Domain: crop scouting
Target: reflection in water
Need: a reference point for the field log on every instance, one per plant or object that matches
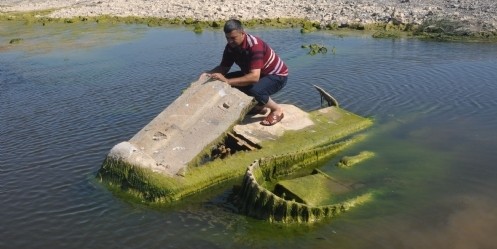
(69, 92)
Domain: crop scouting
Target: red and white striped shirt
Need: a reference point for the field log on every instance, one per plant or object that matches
(254, 53)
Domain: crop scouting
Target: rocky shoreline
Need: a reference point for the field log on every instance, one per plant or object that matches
(478, 16)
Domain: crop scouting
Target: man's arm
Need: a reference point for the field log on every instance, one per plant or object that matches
(217, 70)
(248, 79)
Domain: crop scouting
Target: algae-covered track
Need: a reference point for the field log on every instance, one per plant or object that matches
(257, 201)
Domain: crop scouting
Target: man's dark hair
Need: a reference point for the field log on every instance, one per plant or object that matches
(231, 25)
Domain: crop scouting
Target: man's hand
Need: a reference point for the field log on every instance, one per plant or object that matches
(204, 77)
(218, 76)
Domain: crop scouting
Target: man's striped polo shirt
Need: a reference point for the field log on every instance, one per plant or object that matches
(254, 53)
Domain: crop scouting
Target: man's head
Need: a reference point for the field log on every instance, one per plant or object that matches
(233, 30)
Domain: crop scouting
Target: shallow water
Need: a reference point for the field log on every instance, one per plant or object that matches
(68, 93)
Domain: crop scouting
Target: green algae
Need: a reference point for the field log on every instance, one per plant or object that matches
(349, 161)
(401, 171)
(16, 41)
(42, 17)
(198, 29)
(387, 34)
(313, 197)
(451, 30)
(316, 48)
(310, 190)
(308, 26)
(433, 29)
(257, 201)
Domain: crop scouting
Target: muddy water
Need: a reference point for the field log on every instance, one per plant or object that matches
(69, 92)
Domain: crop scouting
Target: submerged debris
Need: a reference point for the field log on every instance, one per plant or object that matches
(349, 161)
(16, 41)
(316, 48)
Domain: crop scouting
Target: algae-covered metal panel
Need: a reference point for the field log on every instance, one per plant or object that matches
(315, 189)
(202, 114)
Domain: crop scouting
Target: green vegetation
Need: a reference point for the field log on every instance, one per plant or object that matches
(15, 41)
(259, 202)
(41, 17)
(435, 29)
(308, 27)
(349, 161)
(451, 30)
(198, 29)
(317, 48)
(387, 34)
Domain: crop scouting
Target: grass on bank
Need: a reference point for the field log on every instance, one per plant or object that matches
(433, 29)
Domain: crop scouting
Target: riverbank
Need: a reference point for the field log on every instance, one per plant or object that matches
(464, 17)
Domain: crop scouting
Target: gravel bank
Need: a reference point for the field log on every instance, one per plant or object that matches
(477, 15)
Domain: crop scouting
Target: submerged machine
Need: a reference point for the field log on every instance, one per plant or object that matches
(206, 138)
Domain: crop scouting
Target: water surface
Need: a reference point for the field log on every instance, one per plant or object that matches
(69, 93)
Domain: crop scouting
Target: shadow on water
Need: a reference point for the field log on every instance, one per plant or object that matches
(69, 93)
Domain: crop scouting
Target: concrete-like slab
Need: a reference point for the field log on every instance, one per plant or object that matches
(253, 131)
(202, 114)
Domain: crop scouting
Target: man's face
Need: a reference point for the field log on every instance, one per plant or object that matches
(235, 38)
